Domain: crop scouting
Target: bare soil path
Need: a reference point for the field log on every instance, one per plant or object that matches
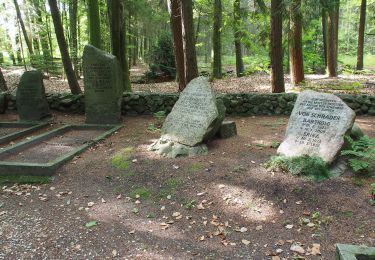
(221, 206)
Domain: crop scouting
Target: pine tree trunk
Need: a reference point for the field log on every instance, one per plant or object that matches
(3, 84)
(324, 32)
(59, 30)
(332, 41)
(237, 38)
(176, 27)
(26, 37)
(94, 23)
(216, 39)
(277, 74)
(118, 36)
(73, 8)
(191, 66)
(361, 35)
(295, 43)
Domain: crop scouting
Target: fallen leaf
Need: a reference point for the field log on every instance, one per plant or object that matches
(200, 207)
(90, 204)
(289, 226)
(245, 242)
(297, 248)
(315, 250)
(259, 228)
(91, 224)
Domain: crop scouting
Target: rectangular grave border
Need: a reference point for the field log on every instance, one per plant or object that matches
(29, 128)
(351, 252)
(48, 169)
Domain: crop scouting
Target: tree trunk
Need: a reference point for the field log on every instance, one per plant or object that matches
(191, 66)
(277, 75)
(26, 37)
(295, 43)
(361, 35)
(3, 84)
(176, 27)
(94, 22)
(324, 32)
(216, 39)
(118, 36)
(332, 41)
(237, 38)
(73, 8)
(59, 30)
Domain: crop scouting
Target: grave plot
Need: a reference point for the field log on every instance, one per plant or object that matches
(43, 154)
(352, 252)
(10, 131)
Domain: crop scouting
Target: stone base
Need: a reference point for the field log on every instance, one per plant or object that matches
(351, 252)
(227, 129)
(173, 149)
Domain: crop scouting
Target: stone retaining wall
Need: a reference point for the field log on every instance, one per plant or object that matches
(242, 104)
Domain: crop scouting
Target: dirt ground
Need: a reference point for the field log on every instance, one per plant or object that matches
(221, 206)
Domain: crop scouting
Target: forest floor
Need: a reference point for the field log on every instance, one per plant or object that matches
(225, 205)
(357, 84)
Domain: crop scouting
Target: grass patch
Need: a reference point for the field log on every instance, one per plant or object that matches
(141, 193)
(121, 160)
(312, 168)
(174, 183)
(10, 179)
(196, 167)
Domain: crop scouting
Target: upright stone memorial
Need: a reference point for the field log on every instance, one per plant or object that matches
(103, 86)
(317, 126)
(31, 98)
(195, 118)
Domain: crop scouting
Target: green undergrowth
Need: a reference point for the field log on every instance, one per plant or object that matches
(10, 179)
(122, 159)
(312, 168)
(140, 193)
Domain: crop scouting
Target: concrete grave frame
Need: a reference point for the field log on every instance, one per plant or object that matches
(352, 252)
(48, 169)
(30, 127)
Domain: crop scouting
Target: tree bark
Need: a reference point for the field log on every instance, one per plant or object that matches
(295, 43)
(324, 32)
(361, 35)
(26, 37)
(237, 38)
(94, 23)
(73, 8)
(3, 84)
(191, 66)
(216, 39)
(277, 71)
(118, 36)
(176, 27)
(59, 30)
(332, 38)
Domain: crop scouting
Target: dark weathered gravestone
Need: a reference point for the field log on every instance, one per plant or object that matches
(31, 98)
(3, 103)
(317, 126)
(103, 87)
(195, 118)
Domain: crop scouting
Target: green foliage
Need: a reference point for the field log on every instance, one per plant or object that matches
(363, 151)
(140, 193)
(159, 120)
(372, 200)
(162, 59)
(11, 179)
(121, 160)
(313, 168)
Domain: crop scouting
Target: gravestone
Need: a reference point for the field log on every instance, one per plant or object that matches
(3, 102)
(317, 126)
(195, 118)
(31, 98)
(103, 86)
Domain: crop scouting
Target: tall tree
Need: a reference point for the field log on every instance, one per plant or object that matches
(176, 27)
(237, 16)
(295, 43)
(324, 29)
(73, 9)
(94, 22)
(191, 66)
(361, 35)
(332, 37)
(59, 30)
(276, 39)
(25, 35)
(3, 84)
(216, 39)
(118, 36)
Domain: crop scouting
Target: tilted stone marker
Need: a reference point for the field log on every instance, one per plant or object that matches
(31, 98)
(195, 118)
(103, 86)
(317, 126)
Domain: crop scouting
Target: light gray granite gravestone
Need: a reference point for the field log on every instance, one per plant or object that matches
(195, 118)
(103, 86)
(31, 98)
(317, 126)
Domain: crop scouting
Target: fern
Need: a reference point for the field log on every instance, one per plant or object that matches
(363, 151)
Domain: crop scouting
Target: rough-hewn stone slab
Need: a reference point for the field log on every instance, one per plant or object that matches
(32, 103)
(317, 126)
(103, 86)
